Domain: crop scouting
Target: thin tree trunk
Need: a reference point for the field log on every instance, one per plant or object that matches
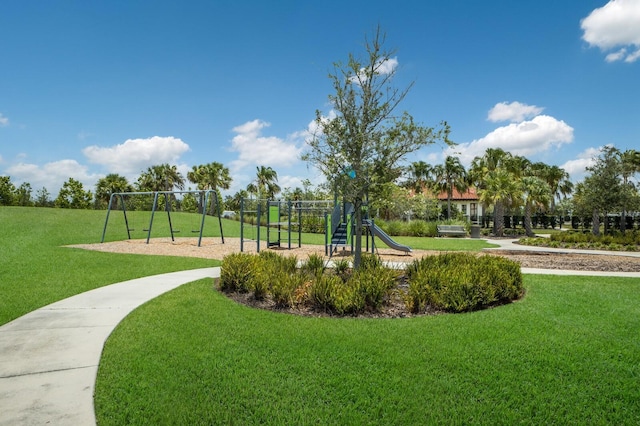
(595, 218)
(499, 219)
(527, 221)
(357, 256)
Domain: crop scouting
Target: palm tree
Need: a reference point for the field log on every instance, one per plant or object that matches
(163, 177)
(212, 176)
(111, 183)
(494, 164)
(557, 179)
(629, 166)
(452, 175)
(536, 193)
(266, 182)
(499, 189)
(420, 173)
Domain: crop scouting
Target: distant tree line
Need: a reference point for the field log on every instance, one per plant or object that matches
(508, 186)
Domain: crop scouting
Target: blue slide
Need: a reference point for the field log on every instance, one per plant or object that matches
(377, 232)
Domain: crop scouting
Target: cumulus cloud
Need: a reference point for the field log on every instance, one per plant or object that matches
(254, 149)
(514, 112)
(52, 175)
(135, 155)
(577, 168)
(525, 137)
(615, 26)
(383, 67)
(4, 121)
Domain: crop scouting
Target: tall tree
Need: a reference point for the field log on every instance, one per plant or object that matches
(601, 191)
(7, 191)
(213, 176)
(557, 178)
(629, 166)
(420, 175)
(266, 182)
(449, 176)
(110, 184)
(363, 144)
(73, 196)
(536, 194)
(162, 177)
(493, 169)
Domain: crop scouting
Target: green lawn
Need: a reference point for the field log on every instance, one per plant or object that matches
(35, 268)
(568, 353)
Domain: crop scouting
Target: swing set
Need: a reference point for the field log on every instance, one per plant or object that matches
(117, 201)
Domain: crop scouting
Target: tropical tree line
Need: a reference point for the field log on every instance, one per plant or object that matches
(506, 184)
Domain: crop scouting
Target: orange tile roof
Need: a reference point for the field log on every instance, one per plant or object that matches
(469, 195)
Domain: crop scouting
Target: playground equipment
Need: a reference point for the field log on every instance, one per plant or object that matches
(118, 200)
(340, 228)
(284, 220)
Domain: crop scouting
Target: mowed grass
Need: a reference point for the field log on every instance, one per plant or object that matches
(567, 353)
(36, 269)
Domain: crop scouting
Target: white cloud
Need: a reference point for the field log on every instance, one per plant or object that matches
(532, 137)
(135, 155)
(577, 168)
(254, 149)
(4, 121)
(381, 68)
(52, 175)
(616, 25)
(514, 112)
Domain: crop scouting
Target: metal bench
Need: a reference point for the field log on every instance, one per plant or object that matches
(451, 230)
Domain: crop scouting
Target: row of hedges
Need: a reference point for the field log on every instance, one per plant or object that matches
(617, 241)
(456, 282)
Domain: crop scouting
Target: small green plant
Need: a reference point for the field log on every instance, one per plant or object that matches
(284, 287)
(314, 265)
(236, 271)
(323, 290)
(342, 267)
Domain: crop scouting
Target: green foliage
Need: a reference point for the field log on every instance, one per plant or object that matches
(341, 267)
(236, 271)
(73, 196)
(460, 282)
(628, 241)
(314, 265)
(323, 291)
(284, 287)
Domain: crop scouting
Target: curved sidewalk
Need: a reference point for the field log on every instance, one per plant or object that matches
(509, 244)
(49, 357)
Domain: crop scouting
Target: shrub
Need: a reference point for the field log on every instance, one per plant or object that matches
(342, 267)
(314, 265)
(235, 272)
(370, 261)
(374, 286)
(458, 282)
(323, 290)
(284, 287)
(418, 228)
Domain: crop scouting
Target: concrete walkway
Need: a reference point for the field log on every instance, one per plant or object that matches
(508, 244)
(49, 358)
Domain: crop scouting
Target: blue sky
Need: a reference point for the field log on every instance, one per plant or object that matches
(95, 87)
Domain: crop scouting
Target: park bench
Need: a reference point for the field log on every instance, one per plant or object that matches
(453, 230)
